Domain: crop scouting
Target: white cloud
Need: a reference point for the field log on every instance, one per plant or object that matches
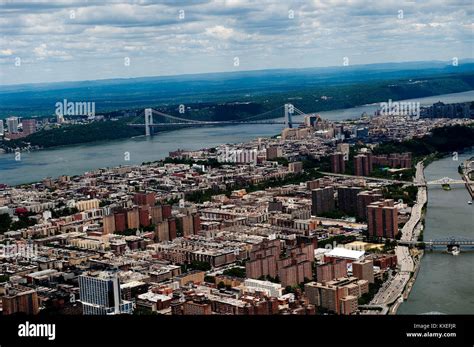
(42, 52)
(214, 31)
(6, 52)
(220, 32)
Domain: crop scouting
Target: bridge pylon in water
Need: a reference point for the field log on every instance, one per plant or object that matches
(148, 121)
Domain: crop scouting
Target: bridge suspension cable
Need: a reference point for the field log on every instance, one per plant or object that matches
(261, 114)
(187, 120)
(301, 113)
(175, 120)
(174, 117)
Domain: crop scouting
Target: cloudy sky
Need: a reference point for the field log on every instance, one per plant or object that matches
(64, 40)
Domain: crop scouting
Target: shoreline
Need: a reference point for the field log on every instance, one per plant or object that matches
(408, 287)
(41, 148)
(422, 200)
(38, 157)
(418, 257)
(465, 176)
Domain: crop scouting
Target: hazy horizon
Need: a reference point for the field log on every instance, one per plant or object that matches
(440, 62)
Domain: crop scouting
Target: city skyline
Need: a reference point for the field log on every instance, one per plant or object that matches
(76, 40)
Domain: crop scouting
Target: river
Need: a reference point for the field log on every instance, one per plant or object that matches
(77, 159)
(445, 282)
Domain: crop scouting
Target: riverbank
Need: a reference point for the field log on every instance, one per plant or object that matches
(442, 282)
(74, 160)
(470, 189)
(465, 172)
(408, 259)
(409, 286)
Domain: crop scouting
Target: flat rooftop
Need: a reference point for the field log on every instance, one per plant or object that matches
(340, 252)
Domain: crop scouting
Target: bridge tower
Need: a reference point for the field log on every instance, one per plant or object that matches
(289, 109)
(148, 121)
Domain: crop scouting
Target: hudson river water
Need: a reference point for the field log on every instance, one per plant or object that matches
(74, 160)
(445, 282)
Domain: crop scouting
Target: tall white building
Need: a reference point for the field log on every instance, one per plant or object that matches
(2, 130)
(59, 119)
(100, 294)
(12, 125)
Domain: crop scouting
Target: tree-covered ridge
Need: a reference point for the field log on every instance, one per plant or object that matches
(441, 140)
(241, 106)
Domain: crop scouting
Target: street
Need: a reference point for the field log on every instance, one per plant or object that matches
(393, 288)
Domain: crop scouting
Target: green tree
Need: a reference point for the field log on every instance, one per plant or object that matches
(200, 265)
(5, 221)
(210, 279)
(22, 222)
(235, 272)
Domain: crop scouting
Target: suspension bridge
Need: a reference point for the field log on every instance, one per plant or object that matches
(154, 119)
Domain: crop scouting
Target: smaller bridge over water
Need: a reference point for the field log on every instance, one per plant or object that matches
(445, 180)
(448, 242)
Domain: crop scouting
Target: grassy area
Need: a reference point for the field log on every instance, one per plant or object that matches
(338, 239)
(405, 175)
(398, 192)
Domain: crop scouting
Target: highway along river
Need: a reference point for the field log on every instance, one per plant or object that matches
(445, 282)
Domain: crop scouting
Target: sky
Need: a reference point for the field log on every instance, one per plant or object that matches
(69, 40)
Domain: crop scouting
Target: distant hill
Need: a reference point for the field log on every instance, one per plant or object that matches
(118, 94)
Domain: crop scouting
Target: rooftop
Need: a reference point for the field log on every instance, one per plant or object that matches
(340, 252)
